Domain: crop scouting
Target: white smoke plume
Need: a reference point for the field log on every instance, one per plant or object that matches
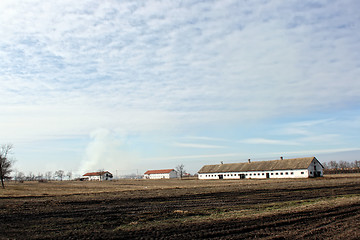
(105, 152)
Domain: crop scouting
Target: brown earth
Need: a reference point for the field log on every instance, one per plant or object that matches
(323, 208)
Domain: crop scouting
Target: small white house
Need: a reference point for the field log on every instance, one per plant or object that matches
(98, 176)
(160, 174)
(283, 168)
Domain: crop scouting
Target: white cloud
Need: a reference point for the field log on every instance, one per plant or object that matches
(196, 145)
(269, 141)
(199, 156)
(200, 138)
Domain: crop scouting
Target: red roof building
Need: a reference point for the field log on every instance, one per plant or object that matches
(104, 175)
(160, 174)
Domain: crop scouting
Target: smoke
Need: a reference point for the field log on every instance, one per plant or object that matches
(106, 151)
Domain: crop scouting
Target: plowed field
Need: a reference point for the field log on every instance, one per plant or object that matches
(323, 208)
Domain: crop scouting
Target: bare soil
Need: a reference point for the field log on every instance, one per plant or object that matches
(322, 208)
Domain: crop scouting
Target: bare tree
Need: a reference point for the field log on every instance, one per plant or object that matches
(69, 175)
(180, 170)
(325, 165)
(101, 173)
(333, 165)
(59, 174)
(344, 164)
(5, 162)
(30, 177)
(20, 176)
(48, 175)
(39, 177)
(357, 164)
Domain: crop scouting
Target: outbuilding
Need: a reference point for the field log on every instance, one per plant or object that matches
(99, 176)
(283, 168)
(160, 174)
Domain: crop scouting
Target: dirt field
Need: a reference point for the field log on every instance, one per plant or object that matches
(322, 208)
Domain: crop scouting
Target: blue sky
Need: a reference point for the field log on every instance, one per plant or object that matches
(134, 85)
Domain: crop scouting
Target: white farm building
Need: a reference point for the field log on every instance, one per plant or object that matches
(99, 176)
(160, 174)
(283, 168)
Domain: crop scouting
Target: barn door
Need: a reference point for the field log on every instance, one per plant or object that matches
(221, 176)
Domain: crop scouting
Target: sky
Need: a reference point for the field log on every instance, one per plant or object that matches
(128, 86)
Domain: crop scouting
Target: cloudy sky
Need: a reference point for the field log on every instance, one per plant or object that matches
(128, 86)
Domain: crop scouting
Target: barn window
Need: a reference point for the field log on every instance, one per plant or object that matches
(272, 173)
(263, 174)
(302, 172)
(258, 174)
(310, 172)
(231, 175)
(282, 173)
(246, 174)
(287, 173)
(277, 173)
(250, 174)
(292, 173)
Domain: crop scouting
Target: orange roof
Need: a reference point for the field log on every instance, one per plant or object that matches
(95, 173)
(159, 171)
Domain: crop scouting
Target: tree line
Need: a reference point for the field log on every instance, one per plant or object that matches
(334, 167)
(7, 161)
(48, 176)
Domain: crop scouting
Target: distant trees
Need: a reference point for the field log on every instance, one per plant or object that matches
(42, 177)
(5, 162)
(59, 174)
(39, 177)
(19, 176)
(342, 167)
(180, 170)
(30, 177)
(69, 175)
(48, 175)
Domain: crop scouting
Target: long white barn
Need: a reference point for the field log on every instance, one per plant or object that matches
(160, 174)
(283, 168)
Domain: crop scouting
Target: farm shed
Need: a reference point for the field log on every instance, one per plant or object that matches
(283, 168)
(99, 176)
(160, 174)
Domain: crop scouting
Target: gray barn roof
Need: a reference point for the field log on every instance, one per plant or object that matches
(285, 164)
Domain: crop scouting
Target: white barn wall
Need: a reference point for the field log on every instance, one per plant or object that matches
(93, 178)
(104, 177)
(315, 165)
(298, 173)
(172, 174)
